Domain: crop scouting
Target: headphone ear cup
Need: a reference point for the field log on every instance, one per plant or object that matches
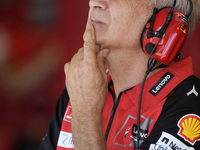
(142, 37)
(149, 47)
(144, 33)
(171, 40)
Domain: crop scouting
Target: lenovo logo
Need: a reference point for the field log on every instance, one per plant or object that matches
(164, 80)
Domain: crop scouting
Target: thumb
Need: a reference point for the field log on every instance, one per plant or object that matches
(101, 55)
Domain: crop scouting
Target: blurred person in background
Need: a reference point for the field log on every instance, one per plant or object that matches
(99, 110)
(35, 38)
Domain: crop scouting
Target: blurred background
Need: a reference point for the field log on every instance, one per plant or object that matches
(37, 37)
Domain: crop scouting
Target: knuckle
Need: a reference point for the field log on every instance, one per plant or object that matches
(86, 34)
(89, 63)
(73, 58)
(79, 66)
(66, 66)
(80, 50)
(88, 44)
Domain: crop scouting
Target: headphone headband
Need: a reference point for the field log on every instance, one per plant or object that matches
(191, 9)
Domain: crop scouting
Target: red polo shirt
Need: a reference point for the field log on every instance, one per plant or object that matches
(168, 101)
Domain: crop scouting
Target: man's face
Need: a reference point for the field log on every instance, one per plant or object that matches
(118, 23)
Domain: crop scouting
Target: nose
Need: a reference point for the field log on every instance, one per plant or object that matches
(99, 4)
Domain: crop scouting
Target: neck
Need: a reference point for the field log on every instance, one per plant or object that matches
(127, 68)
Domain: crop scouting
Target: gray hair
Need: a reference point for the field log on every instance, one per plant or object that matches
(183, 6)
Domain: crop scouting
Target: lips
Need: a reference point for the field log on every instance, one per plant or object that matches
(96, 21)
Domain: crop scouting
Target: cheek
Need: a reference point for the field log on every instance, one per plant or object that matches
(123, 18)
(124, 27)
(120, 23)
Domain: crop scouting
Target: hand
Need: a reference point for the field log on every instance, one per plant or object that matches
(86, 78)
(87, 85)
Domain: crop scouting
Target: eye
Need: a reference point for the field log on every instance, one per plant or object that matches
(97, 7)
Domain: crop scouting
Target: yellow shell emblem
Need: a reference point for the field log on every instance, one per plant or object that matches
(189, 128)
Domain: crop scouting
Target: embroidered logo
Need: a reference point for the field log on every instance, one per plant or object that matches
(143, 133)
(189, 128)
(193, 91)
(164, 80)
(68, 114)
(128, 132)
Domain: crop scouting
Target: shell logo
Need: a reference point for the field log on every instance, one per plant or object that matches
(189, 128)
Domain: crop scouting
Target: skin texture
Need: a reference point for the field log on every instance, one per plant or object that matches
(110, 42)
(87, 66)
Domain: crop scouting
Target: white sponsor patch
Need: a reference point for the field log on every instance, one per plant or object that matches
(159, 147)
(168, 141)
(65, 140)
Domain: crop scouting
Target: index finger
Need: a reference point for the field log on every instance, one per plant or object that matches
(89, 43)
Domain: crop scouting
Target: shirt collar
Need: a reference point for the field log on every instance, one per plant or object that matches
(161, 84)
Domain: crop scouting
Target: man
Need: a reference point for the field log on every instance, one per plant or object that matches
(103, 108)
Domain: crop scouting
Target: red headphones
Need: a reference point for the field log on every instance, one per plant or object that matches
(165, 33)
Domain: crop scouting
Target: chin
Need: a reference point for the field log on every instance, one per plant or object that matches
(100, 36)
(99, 41)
